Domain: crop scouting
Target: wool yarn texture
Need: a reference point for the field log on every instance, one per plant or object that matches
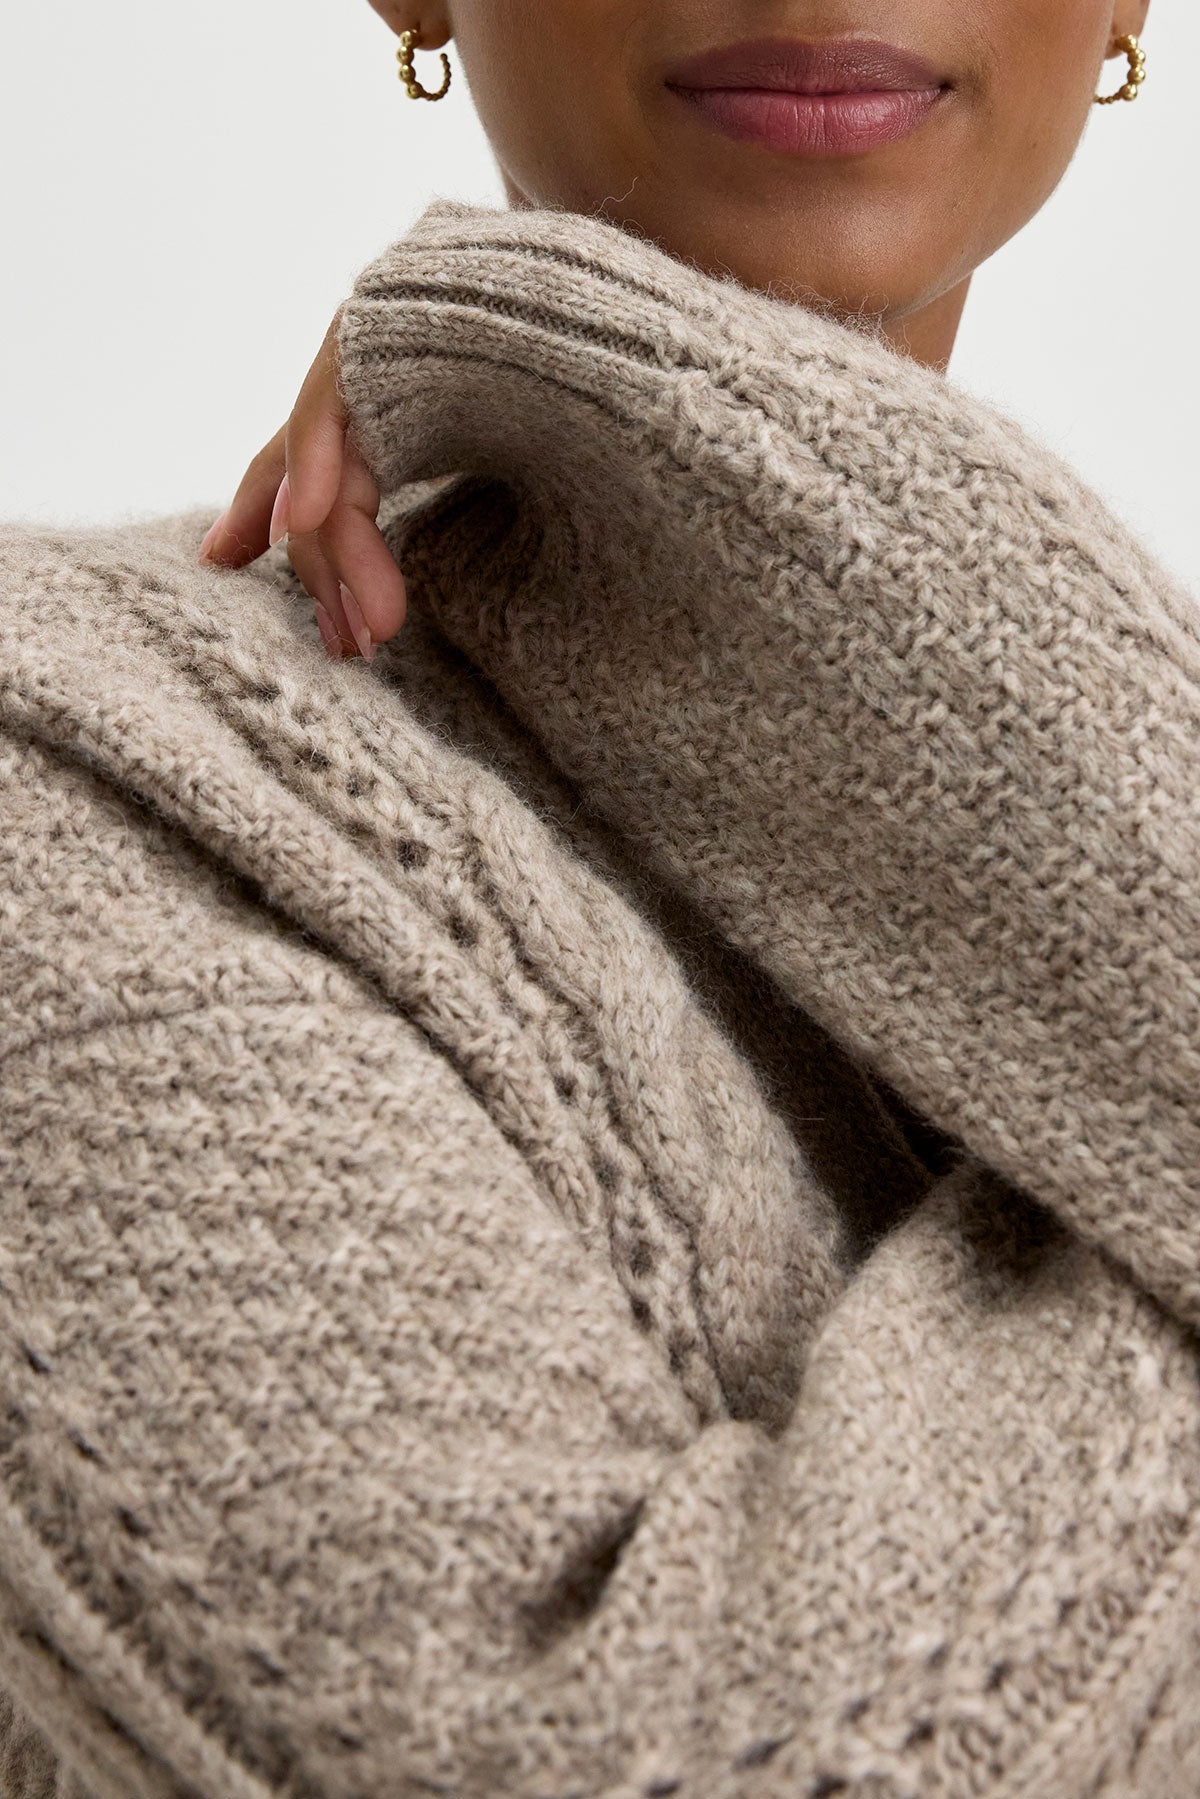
(606, 1206)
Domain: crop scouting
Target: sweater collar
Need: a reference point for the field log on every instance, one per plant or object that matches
(843, 656)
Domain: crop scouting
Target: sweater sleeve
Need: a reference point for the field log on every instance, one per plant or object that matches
(861, 667)
(335, 1462)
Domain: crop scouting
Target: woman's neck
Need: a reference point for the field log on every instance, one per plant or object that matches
(928, 336)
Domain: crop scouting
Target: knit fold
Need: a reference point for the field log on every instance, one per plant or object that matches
(849, 659)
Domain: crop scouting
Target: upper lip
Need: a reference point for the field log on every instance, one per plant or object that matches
(793, 65)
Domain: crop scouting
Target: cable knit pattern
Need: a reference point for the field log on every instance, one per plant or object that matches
(605, 1207)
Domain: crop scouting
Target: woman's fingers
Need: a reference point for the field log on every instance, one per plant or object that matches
(314, 436)
(243, 532)
(311, 484)
(358, 550)
(321, 580)
(331, 494)
(293, 481)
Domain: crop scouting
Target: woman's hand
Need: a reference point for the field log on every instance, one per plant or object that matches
(311, 485)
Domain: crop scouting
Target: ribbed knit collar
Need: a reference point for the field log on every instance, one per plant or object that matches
(846, 658)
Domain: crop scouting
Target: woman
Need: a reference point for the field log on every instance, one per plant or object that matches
(594, 107)
(608, 1205)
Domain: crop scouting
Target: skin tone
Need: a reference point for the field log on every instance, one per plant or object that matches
(571, 95)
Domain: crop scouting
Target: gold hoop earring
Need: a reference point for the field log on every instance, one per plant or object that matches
(408, 41)
(1136, 76)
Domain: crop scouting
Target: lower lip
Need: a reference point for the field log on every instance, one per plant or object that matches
(812, 124)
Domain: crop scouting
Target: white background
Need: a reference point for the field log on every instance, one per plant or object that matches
(189, 192)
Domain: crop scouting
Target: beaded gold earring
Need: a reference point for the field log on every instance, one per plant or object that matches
(408, 42)
(1136, 76)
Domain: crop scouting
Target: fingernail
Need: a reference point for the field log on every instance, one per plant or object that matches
(357, 623)
(210, 538)
(329, 632)
(279, 516)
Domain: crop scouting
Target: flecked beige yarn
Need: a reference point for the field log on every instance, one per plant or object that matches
(606, 1207)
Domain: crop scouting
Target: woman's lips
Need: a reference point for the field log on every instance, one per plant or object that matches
(813, 124)
(812, 99)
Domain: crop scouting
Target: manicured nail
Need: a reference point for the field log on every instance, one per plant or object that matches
(329, 632)
(210, 538)
(279, 516)
(357, 623)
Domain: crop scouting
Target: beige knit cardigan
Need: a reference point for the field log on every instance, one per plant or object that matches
(608, 1205)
